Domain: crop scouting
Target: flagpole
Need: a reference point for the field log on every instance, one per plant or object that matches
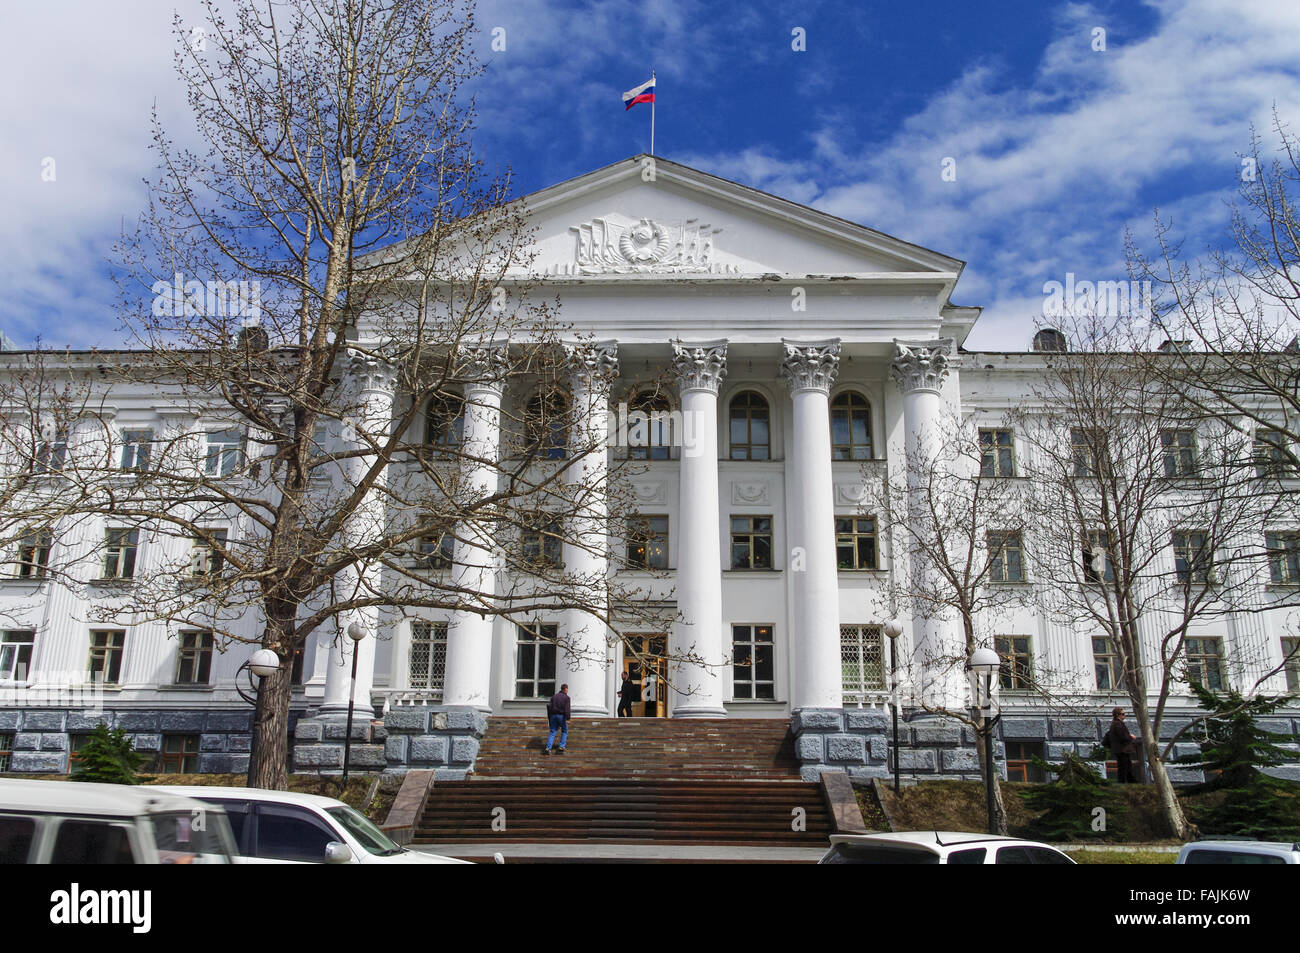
(652, 118)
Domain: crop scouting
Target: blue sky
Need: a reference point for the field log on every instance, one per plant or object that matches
(1057, 146)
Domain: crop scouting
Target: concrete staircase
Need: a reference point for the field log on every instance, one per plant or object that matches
(731, 782)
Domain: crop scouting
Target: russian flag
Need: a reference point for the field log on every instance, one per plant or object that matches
(645, 93)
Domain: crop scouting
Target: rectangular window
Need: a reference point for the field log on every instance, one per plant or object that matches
(535, 661)
(33, 560)
(540, 541)
(119, 553)
(1193, 560)
(1271, 456)
(51, 452)
(16, 647)
(106, 647)
(997, 453)
(179, 755)
(1178, 448)
(855, 543)
(135, 449)
(647, 542)
(427, 662)
(6, 750)
(436, 552)
(1006, 557)
(862, 668)
(1107, 665)
(1205, 662)
(1020, 763)
(194, 661)
(1283, 558)
(225, 452)
(1097, 558)
(207, 553)
(752, 670)
(751, 542)
(1017, 671)
(1085, 448)
(1290, 664)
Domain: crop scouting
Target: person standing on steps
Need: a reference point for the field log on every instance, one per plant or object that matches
(557, 713)
(1122, 745)
(625, 695)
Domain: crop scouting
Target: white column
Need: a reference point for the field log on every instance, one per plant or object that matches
(586, 561)
(371, 379)
(700, 667)
(809, 370)
(920, 368)
(468, 677)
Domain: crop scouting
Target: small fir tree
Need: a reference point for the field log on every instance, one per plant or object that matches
(1069, 802)
(108, 757)
(1236, 746)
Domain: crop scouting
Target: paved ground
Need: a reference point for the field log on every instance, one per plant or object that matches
(625, 853)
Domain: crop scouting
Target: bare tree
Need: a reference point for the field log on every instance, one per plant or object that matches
(330, 296)
(963, 519)
(1145, 530)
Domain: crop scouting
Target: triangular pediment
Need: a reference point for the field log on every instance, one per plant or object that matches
(646, 217)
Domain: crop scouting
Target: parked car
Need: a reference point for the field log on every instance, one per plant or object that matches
(284, 827)
(938, 847)
(70, 822)
(1239, 852)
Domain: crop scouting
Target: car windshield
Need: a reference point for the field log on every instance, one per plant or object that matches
(874, 854)
(371, 837)
(200, 837)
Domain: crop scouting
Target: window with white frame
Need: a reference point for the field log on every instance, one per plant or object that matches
(750, 436)
(1193, 557)
(51, 451)
(1178, 450)
(1016, 673)
(1204, 659)
(120, 545)
(1290, 664)
(1283, 558)
(855, 543)
(535, 661)
(16, 647)
(1098, 562)
(647, 542)
(1006, 557)
(106, 649)
(1107, 665)
(1271, 456)
(224, 452)
(436, 552)
(997, 452)
(751, 542)
(862, 666)
(650, 427)
(1086, 448)
(752, 664)
(207, 553)
(444, 423)
(541, 542)
(136, 445)
(33, 554)
(427, 659)
(850, 427)
(194, 660)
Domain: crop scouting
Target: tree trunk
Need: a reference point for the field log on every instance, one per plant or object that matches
(1172, 808)
(268, 764)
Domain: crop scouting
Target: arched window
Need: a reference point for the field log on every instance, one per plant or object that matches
(546, 425)
(444, 422)
(850, 427)
(751, 434)
(649, 427)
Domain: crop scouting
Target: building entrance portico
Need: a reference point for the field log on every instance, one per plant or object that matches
(644, 661)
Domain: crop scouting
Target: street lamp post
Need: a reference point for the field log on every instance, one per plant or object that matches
(356, 634)
(893, 628)
(984, 666)
(261, 663)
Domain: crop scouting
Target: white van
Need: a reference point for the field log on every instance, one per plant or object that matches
(273, 827)
(70, 822)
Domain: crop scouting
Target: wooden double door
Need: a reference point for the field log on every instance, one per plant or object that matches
(643, 660)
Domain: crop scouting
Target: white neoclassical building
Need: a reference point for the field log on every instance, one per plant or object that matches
(805, 353)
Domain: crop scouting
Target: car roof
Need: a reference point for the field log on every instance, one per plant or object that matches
(85, 797)
(1244, 845)
(932, 839)
(204, 792)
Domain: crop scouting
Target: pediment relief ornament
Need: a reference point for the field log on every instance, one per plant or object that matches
(850, 494)
(647, 246)
(742, 492)
(652, 492)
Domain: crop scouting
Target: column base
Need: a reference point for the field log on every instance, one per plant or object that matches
(698, 711)
(596, 710)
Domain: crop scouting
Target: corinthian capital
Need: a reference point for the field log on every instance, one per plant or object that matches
(811, 365)
(369, 373)
(482, 367)
(595, 361)
(922, 365)
(700, 366)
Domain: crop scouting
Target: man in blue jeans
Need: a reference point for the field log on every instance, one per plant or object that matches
(557, 713)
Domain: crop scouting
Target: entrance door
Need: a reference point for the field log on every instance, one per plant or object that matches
(643, 659)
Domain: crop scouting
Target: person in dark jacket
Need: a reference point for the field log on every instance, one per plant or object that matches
(626, 694)
(1122, 745)
(557, 713)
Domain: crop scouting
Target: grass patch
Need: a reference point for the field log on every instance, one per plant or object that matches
(1122, 856)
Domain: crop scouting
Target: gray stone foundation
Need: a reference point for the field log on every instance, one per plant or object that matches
(444, 740)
